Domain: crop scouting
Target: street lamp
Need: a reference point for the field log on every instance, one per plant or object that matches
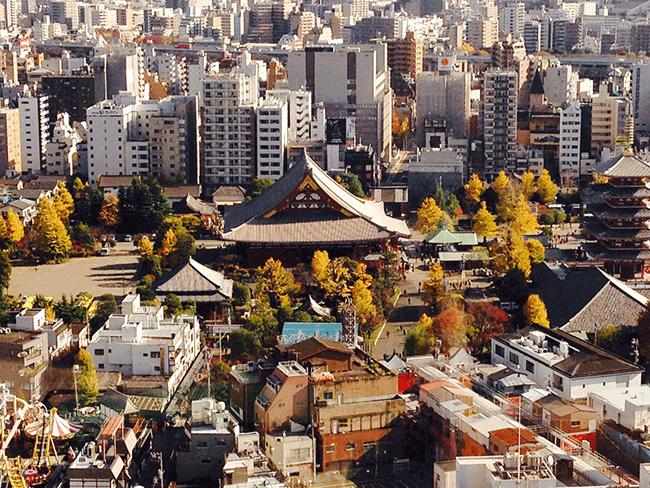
(75, 372)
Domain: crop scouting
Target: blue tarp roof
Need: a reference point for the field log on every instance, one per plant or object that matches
(294, 332)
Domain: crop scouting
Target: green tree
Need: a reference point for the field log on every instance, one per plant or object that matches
(259, 186)
(173, 305)
(608, 336)
(63, 202)
(142, 207)
(484, 224)
(431, 217)
(241, 294)
(87, 204)
(275, 285)
(244, 344)
(546, 189)
(535, 312)
(419, 340)
(87, 377)
(52, 241)
(183, 249)
(70, 311)
(264, 324)
(5, 272)
(82, 235)
(351, 182)
(219, 372)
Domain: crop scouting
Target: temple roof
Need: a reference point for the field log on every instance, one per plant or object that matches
(628, 192)
(601, 231)
(605, 210)
(625, 165)
(193, 281)
(332, 214)
(602, 253)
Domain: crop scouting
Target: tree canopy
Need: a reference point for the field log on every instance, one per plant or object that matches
(485, 223)
(431, 217)
(474, 189)
(275, 285)
(52, 241)
(351, 182)
(87, 377)
(546, 189)
(142, 207)
(535, 311)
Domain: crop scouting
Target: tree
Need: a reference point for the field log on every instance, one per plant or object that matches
(431, 217)
(259, 186)
(168, 245)
(474, 189)
(275, 285)
(643, 331)
(528, 186)
(264, 324)
(505, 194)
(244, 344)
(486, 322)
(5, 272)
(52, 241)
(450, 326)
(173, 305)
(15, 230)
(110, 213)
(485, 225)
(536, 250)
(146, 247)
(219, 372)
(142, 207)
(523, 221)
(351, 182)
(420, 339)
(183, 249)
(70, 310)
(546, 189)
(87, 204)
(63, 202)
(87, 377)
(608, 336)
(82, 235)
(320, 264)
(363, 302)
(509, 254)
(433, 289)
(535, 312)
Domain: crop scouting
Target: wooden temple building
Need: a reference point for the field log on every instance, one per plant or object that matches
(307, 210)
(619, 204)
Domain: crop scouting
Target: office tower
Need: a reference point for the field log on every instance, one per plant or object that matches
(532, 36)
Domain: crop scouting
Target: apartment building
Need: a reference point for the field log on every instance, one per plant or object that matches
(272, 137)
(570, 135)
(500, 122)
(61, 151)
(229, 102)
(405, 55)
(10, 142)
(34, 131)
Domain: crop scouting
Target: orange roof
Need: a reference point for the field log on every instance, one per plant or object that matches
(112, 425)
(510, 436)
(435, 385)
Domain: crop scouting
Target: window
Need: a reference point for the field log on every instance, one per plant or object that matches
(575, 423)
(145, 354)
(514, 358)
(349, 446)
(330, 448)
(100, 366)
(530, 367)
(99, 352)
(499, 351)
(155, 354)
(328, 395)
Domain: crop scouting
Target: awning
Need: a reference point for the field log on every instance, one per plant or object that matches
(458, 256)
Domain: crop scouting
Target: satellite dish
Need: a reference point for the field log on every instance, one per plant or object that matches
(550, 460)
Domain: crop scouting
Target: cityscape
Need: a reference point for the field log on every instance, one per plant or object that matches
(324, 244)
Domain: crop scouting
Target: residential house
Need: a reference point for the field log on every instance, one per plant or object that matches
(140, 342)
(24, 208)
(246, 382)
(110, 184)
(511, 440)
(570, 367)
(292, 455)
(23, 362)
(211, 437)
(59, 335)
(321, 354)
(283, 399)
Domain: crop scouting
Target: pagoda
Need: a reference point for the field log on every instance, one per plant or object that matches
(307, 210)
(619, 204)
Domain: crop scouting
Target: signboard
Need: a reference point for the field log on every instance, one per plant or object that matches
(336, 131)
(445, 63)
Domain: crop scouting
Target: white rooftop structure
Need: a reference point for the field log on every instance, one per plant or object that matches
(629, 407)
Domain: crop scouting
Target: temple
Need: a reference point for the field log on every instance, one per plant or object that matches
(307, 210)
(619, 202)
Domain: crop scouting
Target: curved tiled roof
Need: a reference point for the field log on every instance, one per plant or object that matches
(623, 166)
(198, 282)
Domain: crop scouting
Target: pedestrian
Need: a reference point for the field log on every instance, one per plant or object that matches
(409, 300)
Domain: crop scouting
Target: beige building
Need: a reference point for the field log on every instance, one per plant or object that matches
(292, 455)
(482, 32)
(607, 119)
(10, 147)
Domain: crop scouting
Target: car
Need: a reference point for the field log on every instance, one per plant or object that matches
(105, 251)
(128, 238)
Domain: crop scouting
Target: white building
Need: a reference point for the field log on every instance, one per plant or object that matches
(530, 470)
(229, 101)
(34, 131)
(61, 152)
(59, 335)
(567, 366)
(172, 71)
(570, 128)
(512, 18)
(272, 137)
(300, 112)
(140, 341)
(629, 407)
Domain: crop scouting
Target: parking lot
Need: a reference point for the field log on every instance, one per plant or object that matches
(96, 275)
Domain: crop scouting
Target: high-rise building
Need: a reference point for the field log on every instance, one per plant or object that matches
(560, 84)
(640, 38)
(499, 122)
(34, 132)
(443, 96)
(11, 12)
(570, 134)
(272, 137)
(607, 119)
(299, 112)
(405, 55)
(641, 97)
(119, 72)
(482, 32)
(512, 18)
(61, 151)
(532, 36)
(353, 83)
(10, 147)
(69, 94)
(229, 101)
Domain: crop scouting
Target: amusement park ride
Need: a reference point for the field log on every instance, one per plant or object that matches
(17, 417)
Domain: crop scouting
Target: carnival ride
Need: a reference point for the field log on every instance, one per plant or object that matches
(35, 422)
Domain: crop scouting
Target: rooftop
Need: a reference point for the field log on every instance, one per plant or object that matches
(619, 397)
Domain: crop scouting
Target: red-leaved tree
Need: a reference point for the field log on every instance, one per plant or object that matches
(486, 321)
